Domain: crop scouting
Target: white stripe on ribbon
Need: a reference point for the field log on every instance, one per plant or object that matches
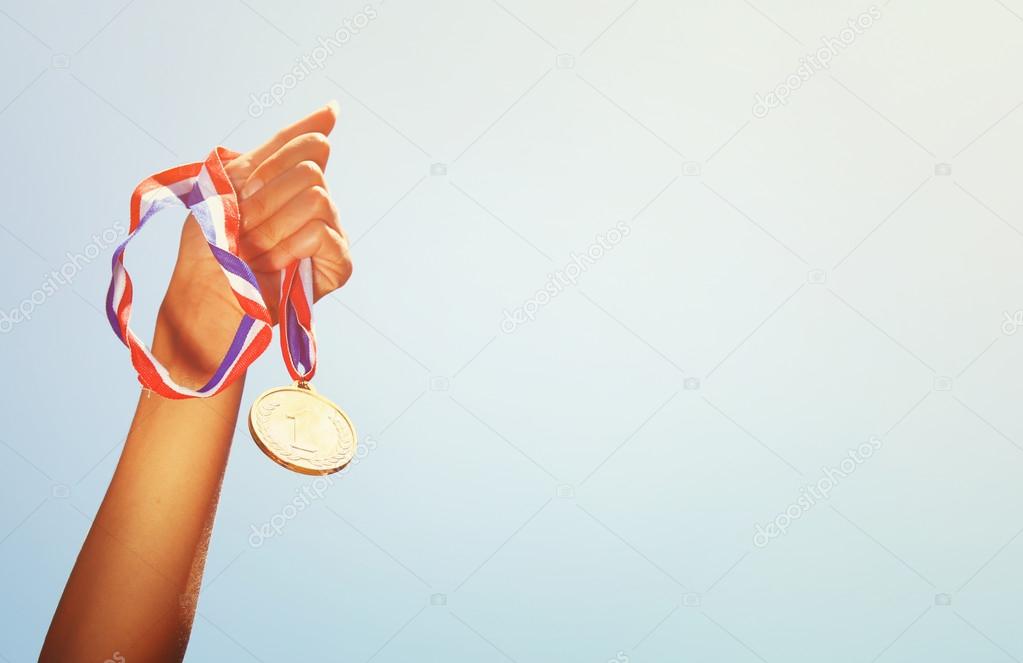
(172, 190)
(242, 287)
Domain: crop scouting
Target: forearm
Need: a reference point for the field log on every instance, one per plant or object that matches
(134, 587)
(135, 584)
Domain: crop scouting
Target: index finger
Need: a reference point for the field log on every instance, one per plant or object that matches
(320, 121)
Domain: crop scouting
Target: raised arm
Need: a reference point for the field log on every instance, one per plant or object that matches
(134, 588)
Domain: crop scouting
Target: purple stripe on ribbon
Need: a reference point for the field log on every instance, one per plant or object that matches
(193, 196)
(232, 353)
(111, 315)
(111, 304)
(234, 264)
(118, 252)
(298, 341)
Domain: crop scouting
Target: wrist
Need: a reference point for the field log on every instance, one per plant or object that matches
(190, 341)
(189, 364)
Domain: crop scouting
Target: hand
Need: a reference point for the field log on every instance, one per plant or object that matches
(153, 526)
(286, 214)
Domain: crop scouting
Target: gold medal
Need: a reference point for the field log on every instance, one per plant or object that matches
(294, 425)
(303, 431)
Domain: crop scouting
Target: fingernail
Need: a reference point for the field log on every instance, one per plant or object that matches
(334, 106)
(251, 187)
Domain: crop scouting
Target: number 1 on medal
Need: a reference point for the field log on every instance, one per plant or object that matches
(294, 431)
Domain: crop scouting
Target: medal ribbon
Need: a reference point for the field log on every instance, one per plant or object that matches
(205, 189)
(298, 342)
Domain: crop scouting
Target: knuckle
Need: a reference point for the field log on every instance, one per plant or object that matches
(347, 267)
(277, 258)
(256, 243)
(319, 143)
(272, 237)
(340, 255)
(346, 272)
(311, 172)
(321, 198)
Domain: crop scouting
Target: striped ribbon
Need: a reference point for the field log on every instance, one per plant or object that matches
(298, 342)
(205, 189)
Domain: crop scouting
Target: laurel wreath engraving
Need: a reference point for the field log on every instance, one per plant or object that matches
(342, 442)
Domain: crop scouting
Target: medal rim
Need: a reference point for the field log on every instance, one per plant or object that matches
(309, 391)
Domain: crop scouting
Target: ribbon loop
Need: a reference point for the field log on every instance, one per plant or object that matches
(205, 189)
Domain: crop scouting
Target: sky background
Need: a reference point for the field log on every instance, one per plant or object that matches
(796, 282)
